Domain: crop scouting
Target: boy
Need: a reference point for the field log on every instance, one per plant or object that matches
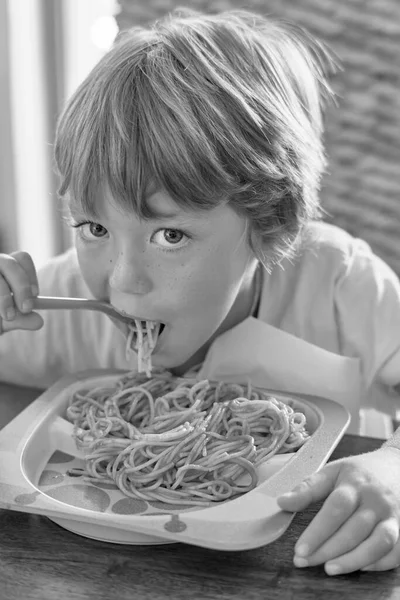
(190, 160)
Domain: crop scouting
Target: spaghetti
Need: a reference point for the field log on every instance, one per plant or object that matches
(142, 338)
(179, 440)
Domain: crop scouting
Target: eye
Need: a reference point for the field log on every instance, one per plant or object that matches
(96, 230)
(168, 238)
(90, 230)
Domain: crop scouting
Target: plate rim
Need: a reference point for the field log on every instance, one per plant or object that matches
(44, 405)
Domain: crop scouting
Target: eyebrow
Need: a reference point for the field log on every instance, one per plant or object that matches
(157, 214)
(80, 211)
(160, 215)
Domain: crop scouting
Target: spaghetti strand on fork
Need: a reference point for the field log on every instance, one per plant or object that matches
(142, 339)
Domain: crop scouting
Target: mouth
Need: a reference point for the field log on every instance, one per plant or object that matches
(140, 330)
(143, 337)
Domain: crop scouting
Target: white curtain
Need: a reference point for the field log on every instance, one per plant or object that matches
(47, 47)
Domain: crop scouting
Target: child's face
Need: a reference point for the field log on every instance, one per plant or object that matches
(189, 270)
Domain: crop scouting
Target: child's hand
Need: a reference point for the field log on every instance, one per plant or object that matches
(358, 524)
(18, 285)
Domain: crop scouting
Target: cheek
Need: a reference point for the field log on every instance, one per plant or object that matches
(93, 271)
(210, 284)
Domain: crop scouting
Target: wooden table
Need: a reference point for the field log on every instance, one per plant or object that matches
(40, 560)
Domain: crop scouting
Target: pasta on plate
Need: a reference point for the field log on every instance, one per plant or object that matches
(177, 439)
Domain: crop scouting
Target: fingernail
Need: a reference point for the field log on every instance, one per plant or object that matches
(288, 495)
(332, 569)
(27, 305)
(34, 290)
(300, 562)
(301, 487)
(10, 313)
(302, 550)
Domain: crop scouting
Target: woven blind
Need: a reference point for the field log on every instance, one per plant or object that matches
(361, 191)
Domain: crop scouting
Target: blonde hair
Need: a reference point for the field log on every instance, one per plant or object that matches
(210, 108)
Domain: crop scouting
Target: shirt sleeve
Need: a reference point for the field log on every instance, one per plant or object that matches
(367, 304)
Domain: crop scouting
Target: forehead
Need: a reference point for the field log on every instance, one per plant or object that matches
(102, 200)
(160, 204)
(163, 206)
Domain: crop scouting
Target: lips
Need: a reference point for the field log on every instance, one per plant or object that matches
(143, 322)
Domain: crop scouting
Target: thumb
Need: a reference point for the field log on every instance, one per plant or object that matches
(31, 321)
(314, 488)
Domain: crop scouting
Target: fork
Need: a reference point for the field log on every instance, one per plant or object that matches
(51, 303)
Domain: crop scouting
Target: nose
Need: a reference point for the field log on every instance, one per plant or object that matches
(129, 275)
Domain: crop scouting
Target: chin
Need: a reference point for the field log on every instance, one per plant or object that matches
(163, 360)
(172, 362)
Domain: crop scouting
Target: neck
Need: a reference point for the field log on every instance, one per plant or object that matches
(241, 309)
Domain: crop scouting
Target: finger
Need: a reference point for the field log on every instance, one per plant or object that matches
(15, 276)
(7, 309)
(378, 545)
(26, 262)
(337, 509)
(312, 489)
(390, 561)
(7, 306)
(350, 535)
(31, 322)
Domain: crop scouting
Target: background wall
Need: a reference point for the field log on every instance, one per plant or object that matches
(361, 192)
(7, 183)
(46, 48)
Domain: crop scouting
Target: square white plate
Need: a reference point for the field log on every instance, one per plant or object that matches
(37, 453)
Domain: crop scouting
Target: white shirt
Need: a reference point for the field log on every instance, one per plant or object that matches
(336, 294)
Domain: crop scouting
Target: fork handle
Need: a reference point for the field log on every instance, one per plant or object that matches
(49, 302)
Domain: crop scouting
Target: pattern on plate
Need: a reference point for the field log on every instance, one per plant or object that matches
(25, 499)
(51, 477)
(129, 506)
(166, 506)
(10, 494)
(60, 457)
(81, 495)
(175, 524)
(104, 496)
(101, 496)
